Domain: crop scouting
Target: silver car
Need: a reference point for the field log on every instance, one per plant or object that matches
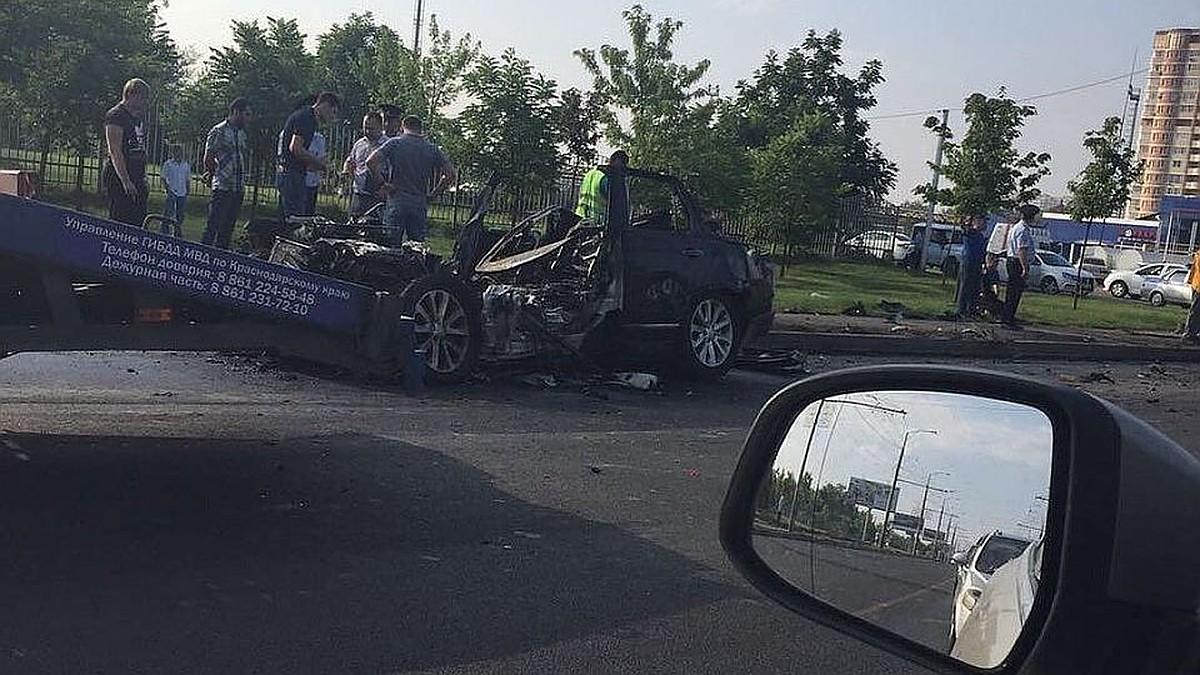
(1171, 289)
(1122, 283)
(1051, 273)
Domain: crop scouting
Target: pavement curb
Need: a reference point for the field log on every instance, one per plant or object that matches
(883, 345)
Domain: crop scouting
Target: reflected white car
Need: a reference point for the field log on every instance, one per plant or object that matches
(1128, 283)
(989, 632)
(975, 568)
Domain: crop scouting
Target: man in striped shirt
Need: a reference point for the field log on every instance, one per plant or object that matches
(225, 162)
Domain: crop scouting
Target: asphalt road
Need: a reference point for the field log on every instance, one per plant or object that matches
(182, 513)
(909, 596)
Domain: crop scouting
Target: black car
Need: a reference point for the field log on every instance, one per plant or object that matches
(656, 273)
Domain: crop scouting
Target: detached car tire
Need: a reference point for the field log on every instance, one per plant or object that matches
(448, 330)
(709, 337)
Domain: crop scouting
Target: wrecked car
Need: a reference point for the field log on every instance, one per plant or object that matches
(656, 274)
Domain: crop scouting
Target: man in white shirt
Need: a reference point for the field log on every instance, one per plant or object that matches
(364, 198)
(176, 174)
(312, 177)
(1019, 249)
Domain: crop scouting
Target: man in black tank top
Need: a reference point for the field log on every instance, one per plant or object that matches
(124, 176)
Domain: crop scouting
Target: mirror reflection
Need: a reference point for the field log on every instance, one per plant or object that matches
(921, 512)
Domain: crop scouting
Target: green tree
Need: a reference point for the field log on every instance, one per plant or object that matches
(577, 118)
(672, 117)
(65, 62)
(795, 180)
(509, 126)
(1102, 189)
(985, 170)
(425, 85)
(808, 81)
(354, 59)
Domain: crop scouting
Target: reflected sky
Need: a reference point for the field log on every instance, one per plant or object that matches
(995, 455)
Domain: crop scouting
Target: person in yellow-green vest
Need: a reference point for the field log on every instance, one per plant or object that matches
(593, 191)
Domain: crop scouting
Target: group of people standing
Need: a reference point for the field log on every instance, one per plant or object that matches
(393, 164)
(1010, 243)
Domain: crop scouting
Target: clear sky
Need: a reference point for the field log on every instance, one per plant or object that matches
(934, 54)
(994, 455)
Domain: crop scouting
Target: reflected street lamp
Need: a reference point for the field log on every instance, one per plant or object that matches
(925, 500)
(887, 517)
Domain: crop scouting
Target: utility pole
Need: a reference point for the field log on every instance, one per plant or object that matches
(924, 500)
(887, 516)
(937, 163)
(800, 476)
(418, 20)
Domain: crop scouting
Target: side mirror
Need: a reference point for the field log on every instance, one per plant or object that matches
(854, 487)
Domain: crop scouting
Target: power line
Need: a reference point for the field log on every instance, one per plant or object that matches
(1037, 97)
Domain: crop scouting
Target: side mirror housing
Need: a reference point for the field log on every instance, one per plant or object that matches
(1109, 587)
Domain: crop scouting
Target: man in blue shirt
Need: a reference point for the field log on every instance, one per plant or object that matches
(415, 164)
(295, 161)
(971, 270)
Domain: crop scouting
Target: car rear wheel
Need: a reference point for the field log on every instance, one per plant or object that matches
(709, 337)
(1118, 289)
(1049, 286)
(1158, 299)
(446, 326)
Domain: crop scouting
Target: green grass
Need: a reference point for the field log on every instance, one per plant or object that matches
(829, 287)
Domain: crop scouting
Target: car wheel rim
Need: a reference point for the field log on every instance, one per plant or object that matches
(440, 325)
(1118, 289)
(710, 333)
(1049, 286)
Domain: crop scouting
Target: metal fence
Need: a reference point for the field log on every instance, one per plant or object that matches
(72, 177)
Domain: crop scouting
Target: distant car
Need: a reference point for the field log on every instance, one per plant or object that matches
(1128, 283)
(1051, 273)
(945, 246)
(989, 632)
(975, 568)
(882, 244)
(1170, 289)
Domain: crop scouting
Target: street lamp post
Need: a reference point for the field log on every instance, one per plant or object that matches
(887, 516)
(925, 500)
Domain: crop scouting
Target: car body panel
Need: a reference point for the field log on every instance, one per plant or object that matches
(882, 244)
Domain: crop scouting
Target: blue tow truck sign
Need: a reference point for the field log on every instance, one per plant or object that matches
(86, 243)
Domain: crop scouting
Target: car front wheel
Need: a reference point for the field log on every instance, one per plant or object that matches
(1158, 299)
(709, 337)
(1049, 286)
(1118, 289)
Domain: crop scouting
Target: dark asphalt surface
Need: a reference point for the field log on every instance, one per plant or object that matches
(182, 513)
(909, 596)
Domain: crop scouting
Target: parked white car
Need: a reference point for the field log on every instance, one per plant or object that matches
(1170, 289)
(991, 629)
(882, 244)
(975, 568)
(1128, 283)
(1051, 273)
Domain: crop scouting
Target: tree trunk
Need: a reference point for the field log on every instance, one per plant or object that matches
(45, 160)
(79, 181)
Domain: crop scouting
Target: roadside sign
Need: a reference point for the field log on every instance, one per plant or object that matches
(871, 494)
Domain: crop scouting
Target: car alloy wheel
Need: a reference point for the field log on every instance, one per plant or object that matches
(711, 333)
(1157, 299)
(442, 332)
(1049, 286)
(1118, 289)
